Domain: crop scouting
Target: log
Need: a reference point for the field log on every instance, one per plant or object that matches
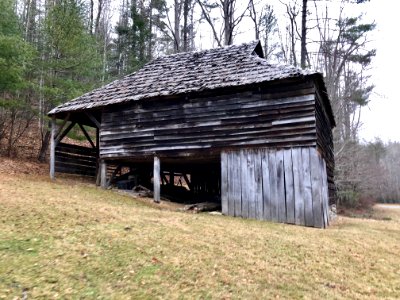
(203, 206)
(103, 174)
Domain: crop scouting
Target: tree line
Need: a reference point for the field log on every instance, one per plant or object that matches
(54, 50)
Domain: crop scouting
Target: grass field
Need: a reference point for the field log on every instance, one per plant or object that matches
(67, 239)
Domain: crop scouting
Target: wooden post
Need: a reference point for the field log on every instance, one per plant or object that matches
(98, 157)
(103, 174)
(156, 179)
(53, 147)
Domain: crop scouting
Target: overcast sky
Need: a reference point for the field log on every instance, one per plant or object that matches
(381, 118)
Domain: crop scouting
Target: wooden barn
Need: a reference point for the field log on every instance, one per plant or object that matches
(220, 125)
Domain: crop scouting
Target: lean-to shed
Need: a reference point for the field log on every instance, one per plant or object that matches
(233, 128)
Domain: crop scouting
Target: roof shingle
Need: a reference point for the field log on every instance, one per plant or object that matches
(187, 72)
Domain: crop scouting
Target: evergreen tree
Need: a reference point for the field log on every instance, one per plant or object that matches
(137, 31)
(16, 57)
(73, 64)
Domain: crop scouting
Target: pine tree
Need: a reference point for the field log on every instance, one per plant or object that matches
(73, 63)
(16, 56)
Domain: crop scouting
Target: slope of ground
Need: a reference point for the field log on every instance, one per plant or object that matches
(66, 239)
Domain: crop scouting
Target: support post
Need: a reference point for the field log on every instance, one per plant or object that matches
(98, 157)
(53, 148)
(156, 179)
(103, 174)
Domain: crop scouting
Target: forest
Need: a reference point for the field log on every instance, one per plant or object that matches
(52, 51)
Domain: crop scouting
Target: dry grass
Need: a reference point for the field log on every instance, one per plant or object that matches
(66, 239)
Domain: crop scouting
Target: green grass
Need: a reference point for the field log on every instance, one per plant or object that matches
(67, 239)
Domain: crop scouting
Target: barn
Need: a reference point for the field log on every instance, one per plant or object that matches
(220, 125)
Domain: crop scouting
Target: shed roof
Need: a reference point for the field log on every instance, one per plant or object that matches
(181, 73)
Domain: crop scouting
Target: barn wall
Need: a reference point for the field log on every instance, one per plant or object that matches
(288, 185)
(325, 143)
(271, 115)
(73, 159)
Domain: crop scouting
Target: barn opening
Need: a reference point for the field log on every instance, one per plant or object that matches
(182, 180)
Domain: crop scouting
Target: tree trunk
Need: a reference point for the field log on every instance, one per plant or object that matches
(185, 31)
(253, 16)
(228, 17)
(177, 19)
(98, 16)
(91, 16)
(44, 147)
(303, 54)
(11, 133)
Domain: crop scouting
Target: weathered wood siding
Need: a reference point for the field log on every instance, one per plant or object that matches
(325, 142)
(73, 159)
(288, 185)
(271, 115)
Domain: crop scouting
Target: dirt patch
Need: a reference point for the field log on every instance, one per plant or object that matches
(22, 166)
(169, 205)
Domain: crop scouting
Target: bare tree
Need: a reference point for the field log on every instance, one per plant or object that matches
(188, 26)
(230, 20)
(303, 37)
(256, 20)
(292, 12)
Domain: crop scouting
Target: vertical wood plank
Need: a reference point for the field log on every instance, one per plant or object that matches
(98, 139)
(103, 174)
(298, 190)
(98, 156)
(289, 189)
(224, 182)
(280, 184)
(251, 183)
(316, 188)
(273, 182)
(156, 179)
(325, 194)
(244, 180)
(53, 148)
(258, 192)
(306, 183)
(231, 186)
(237, 186)
(266, 185)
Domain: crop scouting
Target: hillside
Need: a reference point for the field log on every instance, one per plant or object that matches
(67, 239)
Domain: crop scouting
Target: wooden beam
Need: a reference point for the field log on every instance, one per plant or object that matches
(98, 173)
(224, 182)
(87, 136)
(93, 119)
(103, 174)
(164, 178)
(62, 135)
(156, 179)
(52, 148)
(97, 139)
(189, 184)
(98, 155)
(63, 125)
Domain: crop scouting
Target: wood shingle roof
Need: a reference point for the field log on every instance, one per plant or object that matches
(181, 73)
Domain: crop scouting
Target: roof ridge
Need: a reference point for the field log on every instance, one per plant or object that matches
(251, 43)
